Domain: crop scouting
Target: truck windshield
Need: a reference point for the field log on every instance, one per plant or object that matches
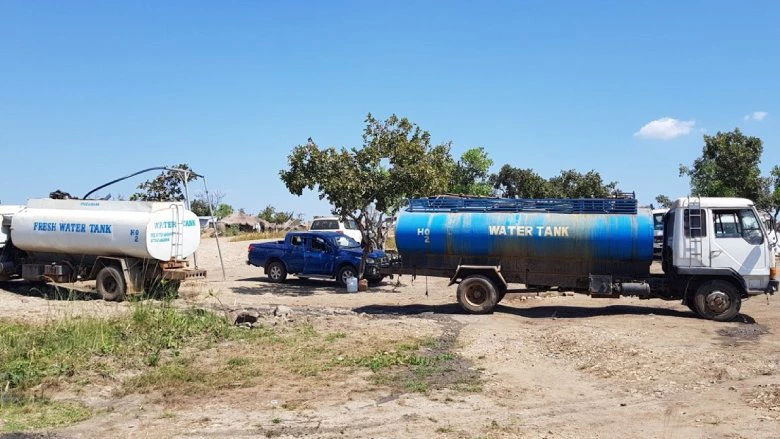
(658, 221)
(345, 242)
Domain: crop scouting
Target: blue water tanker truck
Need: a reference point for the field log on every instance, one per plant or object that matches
(715, 251)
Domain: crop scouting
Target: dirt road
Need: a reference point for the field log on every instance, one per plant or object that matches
(549, 367)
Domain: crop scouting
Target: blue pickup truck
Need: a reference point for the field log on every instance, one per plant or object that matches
(316, 255)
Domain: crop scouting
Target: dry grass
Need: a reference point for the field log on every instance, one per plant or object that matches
(184, 353)
(256, 236)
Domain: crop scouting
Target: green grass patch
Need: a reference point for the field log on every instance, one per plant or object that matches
(31, 354)
(176, 353)
(420, 366)
(40, 414)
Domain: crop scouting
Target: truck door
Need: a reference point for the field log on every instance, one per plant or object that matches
(694, 248)
(318, 257)
(295, 258)
(738, 243)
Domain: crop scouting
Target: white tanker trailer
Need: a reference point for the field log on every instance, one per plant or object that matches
(126, 246)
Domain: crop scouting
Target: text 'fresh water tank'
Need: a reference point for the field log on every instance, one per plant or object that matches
(149, 230)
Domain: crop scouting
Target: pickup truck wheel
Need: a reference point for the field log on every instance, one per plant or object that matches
(477, 295)
(276, 272)
(374, 281)
(110, 284)
(345, 273)
(717, 300)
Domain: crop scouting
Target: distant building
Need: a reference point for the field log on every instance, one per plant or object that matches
(245, 223)
(206, 222)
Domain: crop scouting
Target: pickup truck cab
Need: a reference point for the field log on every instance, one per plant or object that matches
(329, 255)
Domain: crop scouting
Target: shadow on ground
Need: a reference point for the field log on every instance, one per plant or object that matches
(293, 287)
(541, 312)
(47, 291)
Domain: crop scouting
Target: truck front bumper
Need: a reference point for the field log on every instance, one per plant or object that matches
(372, 271)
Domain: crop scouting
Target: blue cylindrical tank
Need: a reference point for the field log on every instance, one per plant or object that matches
(615, 237)
(549, 242)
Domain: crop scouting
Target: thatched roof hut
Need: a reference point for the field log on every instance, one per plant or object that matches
(245, 223)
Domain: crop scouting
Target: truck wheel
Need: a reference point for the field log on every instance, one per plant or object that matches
(477, 295)
(690, 302)
(110, 284)
(276, 272)
(345, 273)
(717, 300)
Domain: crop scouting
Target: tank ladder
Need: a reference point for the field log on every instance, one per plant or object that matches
(695, 225)
(177, 234)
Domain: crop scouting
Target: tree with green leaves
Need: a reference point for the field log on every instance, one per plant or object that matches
(573, 184)
(167, 186)
(370, 183)
(663, 201)
(728, 167)
(470, 175)
(274, 216)
(200, 205)
(512, 182)
(774, 200)
(224, 210)
(200, 208)
(525, 183)
(770, 193)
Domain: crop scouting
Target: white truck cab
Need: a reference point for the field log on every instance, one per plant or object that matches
(722, 238)
(658, 230)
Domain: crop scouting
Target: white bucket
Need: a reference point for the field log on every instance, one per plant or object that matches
(352, 285)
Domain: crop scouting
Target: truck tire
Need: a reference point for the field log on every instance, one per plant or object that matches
(690, 302)
(345, 273)
(717, 300)
(477, 295)
(276, 272)
(110, 284)
(501, 295)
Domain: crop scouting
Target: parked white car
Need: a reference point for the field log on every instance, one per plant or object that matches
(334, 224)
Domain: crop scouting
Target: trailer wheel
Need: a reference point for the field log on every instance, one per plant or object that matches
(276, 272)
(110, 283)
(501, 293)
(717, 300)
(477, 295)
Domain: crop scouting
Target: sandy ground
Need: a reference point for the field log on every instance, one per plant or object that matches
(552, 367)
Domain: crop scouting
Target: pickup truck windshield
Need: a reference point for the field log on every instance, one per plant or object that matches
(345, 242)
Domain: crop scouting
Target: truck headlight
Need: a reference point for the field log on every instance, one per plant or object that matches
(370, 261)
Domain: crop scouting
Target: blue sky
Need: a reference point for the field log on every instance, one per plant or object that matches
(90, 91)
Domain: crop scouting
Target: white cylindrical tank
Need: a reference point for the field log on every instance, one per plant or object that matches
(6, 213)
(149, 230)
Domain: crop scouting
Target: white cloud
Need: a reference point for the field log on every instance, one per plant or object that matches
(665, 128)
(756, 115)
